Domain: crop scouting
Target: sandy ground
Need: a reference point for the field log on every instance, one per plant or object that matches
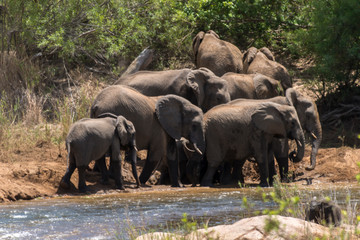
(38, 171)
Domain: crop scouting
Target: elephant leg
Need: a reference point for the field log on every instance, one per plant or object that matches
(65, 181)
(237, 174)
(115, 164)
(164, 178)
(173, 162)
(214, 160)
(133, 166)
(261, 157)
(82, 184)
(281, 149)
(101, 165)
(116, 168)
(153, 157)
(226, 174)
(183, 159)
(283, 168)
(208, 177)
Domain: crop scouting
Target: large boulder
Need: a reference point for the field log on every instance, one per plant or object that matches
(255, 228)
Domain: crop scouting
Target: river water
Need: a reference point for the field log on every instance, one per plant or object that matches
(118, 215)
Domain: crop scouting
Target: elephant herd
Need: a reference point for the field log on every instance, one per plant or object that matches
(197, 122)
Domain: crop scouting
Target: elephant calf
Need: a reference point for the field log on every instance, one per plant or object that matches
(90, 139)
(323, 212)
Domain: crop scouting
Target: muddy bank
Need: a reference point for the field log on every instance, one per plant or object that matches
(37, 172)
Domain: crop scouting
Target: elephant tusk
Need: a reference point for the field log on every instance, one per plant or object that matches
(197, 149)
(313, 135)
(184, 141)
(298, 142)
(186, 147)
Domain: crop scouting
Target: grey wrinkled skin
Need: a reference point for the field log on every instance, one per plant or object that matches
(252, 86)
(90, 139)
(215, 54)
(159, 123)
(201, 86)
(309, 120)
(236, 132)
(262, 61)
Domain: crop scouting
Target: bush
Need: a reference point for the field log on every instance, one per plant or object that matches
(101, 33)
(334, 41)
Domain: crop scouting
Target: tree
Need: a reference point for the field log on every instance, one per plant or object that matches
(334, 40)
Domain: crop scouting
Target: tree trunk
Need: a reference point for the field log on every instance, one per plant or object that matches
(141, 62)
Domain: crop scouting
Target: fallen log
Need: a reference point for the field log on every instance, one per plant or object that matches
(141, 62)
(345, 111)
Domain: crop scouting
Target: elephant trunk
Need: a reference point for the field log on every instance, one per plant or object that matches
(194, 151)
(185, 142)
(133, 157)
(317, 137)
(300, 143)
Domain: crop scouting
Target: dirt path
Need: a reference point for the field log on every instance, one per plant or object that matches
(37, 172)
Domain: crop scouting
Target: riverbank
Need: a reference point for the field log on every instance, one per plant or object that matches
(36, 172)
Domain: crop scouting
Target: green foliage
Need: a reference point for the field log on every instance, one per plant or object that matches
(271, 224)
(287, 200)
(334, 40)
(101, 32)
(53, 35)
(245, 23)
(187, 225)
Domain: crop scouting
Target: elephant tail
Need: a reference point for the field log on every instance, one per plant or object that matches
(68, 154)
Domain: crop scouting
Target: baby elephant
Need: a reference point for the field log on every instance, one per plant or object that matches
(323, 212)
(90, 139)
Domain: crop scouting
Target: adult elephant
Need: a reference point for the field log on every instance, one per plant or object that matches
(89, 139)
(263, 61)
(234, 133)
(161, 123)
(251, 86)
(216, 54)
(309, 120)
(201, 86)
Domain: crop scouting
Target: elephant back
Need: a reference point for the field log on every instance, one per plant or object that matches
(134, 106)
(217, 55)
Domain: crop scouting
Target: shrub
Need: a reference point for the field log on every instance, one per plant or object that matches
(334, 41)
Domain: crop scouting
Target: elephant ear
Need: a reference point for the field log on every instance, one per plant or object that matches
(267, 53)
(168, 110)
(125, 130)
(212, 32)
(269, 119)
(249, 55)
(196, 80)
(262, 86)
(196, 44)
(291, 96)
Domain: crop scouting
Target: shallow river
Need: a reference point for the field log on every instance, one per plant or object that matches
(116, 215)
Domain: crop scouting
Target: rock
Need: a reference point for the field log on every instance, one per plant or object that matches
(254, 228)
